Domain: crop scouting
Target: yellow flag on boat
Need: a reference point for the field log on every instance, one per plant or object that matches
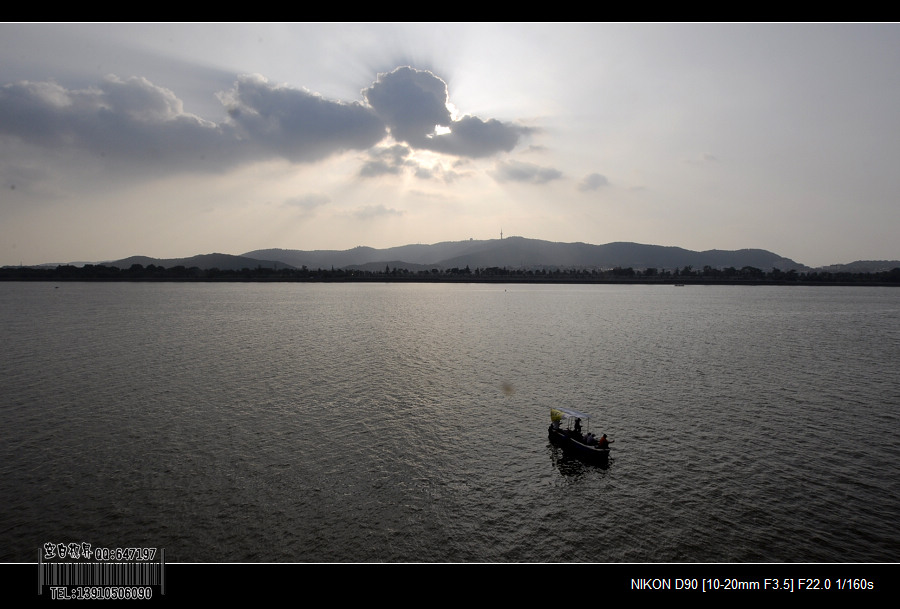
(555, 415)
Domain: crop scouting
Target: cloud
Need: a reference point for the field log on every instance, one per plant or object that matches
(413, 103)
(385, 161)
(438, 172)
(309, 202)
(472, 137)
(134, 120)
(393, 160)
(376, 211)
(592, 182)
(299, 125)
(118, 119)
(135, 125)
(516, 171)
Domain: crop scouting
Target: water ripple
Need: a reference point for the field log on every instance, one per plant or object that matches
(392, 423)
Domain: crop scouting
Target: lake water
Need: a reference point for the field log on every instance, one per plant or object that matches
(408, 423)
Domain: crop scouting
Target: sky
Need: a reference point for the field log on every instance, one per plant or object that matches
(170, 140)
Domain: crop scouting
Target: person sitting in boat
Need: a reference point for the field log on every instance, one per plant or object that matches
(603, 442)
(589, 439)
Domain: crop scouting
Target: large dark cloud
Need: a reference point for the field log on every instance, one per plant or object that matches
(299, 125)
(133, 119)
(411, 103)
(472, 137)
(119, 119)
(136, 121)
(414, 102)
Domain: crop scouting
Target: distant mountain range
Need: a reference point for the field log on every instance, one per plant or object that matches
(225, 262)
(511, 253)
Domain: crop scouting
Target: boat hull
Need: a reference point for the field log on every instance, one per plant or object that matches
(576, 448)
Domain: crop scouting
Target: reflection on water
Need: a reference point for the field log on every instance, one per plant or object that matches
(572, 468)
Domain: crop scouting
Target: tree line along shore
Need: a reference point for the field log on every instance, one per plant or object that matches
(685, 275)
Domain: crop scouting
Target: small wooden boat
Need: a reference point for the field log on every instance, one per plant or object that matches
(570, 430)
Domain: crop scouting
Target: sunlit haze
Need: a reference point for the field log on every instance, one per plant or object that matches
(170, 140)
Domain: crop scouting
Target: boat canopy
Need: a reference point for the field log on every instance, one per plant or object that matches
(557, 414)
